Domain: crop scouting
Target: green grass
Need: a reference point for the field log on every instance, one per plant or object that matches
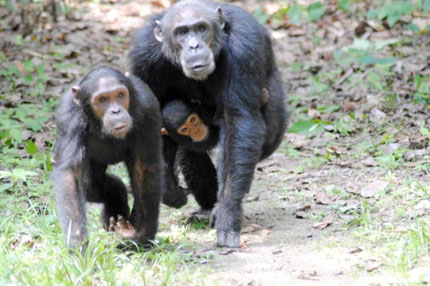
(32, 251)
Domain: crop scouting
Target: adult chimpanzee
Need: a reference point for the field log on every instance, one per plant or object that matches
(108, 117)
(217, 56)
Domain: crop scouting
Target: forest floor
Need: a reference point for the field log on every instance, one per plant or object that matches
(344, 201)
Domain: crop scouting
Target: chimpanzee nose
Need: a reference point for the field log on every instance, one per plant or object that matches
(115, 110)
(194, 45)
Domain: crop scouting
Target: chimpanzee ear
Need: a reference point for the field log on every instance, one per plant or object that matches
(158, 34)
(75, 90)
(220, 17)
(164, 131)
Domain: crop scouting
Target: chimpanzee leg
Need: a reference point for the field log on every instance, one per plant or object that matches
(109, 190)
(174, 196)
(200, 176)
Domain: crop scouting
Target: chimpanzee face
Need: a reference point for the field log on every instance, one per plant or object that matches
(194, 127)
(189, 37)
(109, 101)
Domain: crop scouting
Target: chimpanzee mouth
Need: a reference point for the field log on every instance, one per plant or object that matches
(119, 128)
(199, 67)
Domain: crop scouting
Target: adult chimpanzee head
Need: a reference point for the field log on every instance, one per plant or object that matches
(103, 94)
(191, 37)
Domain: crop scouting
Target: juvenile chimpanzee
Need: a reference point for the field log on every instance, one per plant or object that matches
(108, 117)
(218, 56)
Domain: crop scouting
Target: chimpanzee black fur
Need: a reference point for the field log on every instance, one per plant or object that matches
(108, 117)
(217, 56)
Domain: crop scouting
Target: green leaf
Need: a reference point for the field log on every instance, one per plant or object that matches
(344, 5)
(30, 147)
(418, 81)
(296, 13)
(296, 67)
(5, 187)
(372, 13)
(2, 57)
(328, 109)
(367, 59)
(392, 19)
(5, 174)
(40, 69)
(426, 6)
(424, 131)
(387, 61)
(28, 66)
(261, 16)
(316, 11)
(361, 44)
(28, 79)
(21, 174)
(32, 124)
(19, 40)
(303, 127)
(382, 44)
(16, 134)
(48, 162)
(414, 28)
(13, 70)
(375, 80)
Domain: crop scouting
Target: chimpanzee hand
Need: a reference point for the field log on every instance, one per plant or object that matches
(122, 227)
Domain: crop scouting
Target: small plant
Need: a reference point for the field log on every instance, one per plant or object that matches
(422, 85)
(15, 176)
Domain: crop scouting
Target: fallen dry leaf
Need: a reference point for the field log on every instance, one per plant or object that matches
(373, 265)
(323, 199)
(327, 221)
(374, 187)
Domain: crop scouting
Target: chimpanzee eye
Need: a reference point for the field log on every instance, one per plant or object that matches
(102, 99)
(201, 28)
(181, 31)
(184, 130)
(193, 119)
(120, 95)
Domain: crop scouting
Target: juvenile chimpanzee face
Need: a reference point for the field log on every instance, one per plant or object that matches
(109, 101)
(190, 37)
(194, 128)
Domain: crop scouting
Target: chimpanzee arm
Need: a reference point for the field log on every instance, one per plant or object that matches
(70, 156)
(71, 205)
(145, 164)
(146, 188)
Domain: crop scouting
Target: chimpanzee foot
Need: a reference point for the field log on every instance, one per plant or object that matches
(226, 225)
(175, 198)
(229, 239)
(122, 227)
